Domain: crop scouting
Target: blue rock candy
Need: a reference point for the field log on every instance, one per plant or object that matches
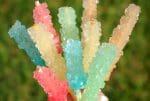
(22, 38)
(72, 48)
(73, 56)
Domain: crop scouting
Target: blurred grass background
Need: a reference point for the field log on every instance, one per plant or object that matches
(129, 82)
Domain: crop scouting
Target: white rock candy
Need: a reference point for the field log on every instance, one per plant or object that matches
(91, 32)
(44, 43)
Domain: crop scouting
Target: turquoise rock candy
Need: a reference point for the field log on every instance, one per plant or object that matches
(22, 38)
(73, 56)
(72, 48)
(98, 70)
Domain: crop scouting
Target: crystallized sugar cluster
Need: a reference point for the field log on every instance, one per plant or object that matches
(91, 32)
(21, 36)
(73, 56)
(121, 33)
(86, 64)
(46, 47)
(72, 48)
(90, 41)
(57, 90)
(67, 19)
(98, 70)
(42, 15)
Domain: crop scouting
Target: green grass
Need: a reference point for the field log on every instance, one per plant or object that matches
(130, 80)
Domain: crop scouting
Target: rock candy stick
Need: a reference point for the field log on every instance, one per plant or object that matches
(72, 48)
(67, 19)
(73, 56)
(44, 43)
(90, 10)
(121, 33)
(22, 38)
(57, 90)
(90, 40)
(91, 32)
(98, 70)
(41, 14)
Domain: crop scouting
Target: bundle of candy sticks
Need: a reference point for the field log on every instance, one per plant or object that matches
(86, 64)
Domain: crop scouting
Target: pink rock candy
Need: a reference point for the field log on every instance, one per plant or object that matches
(57, 90)
(42, 15)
